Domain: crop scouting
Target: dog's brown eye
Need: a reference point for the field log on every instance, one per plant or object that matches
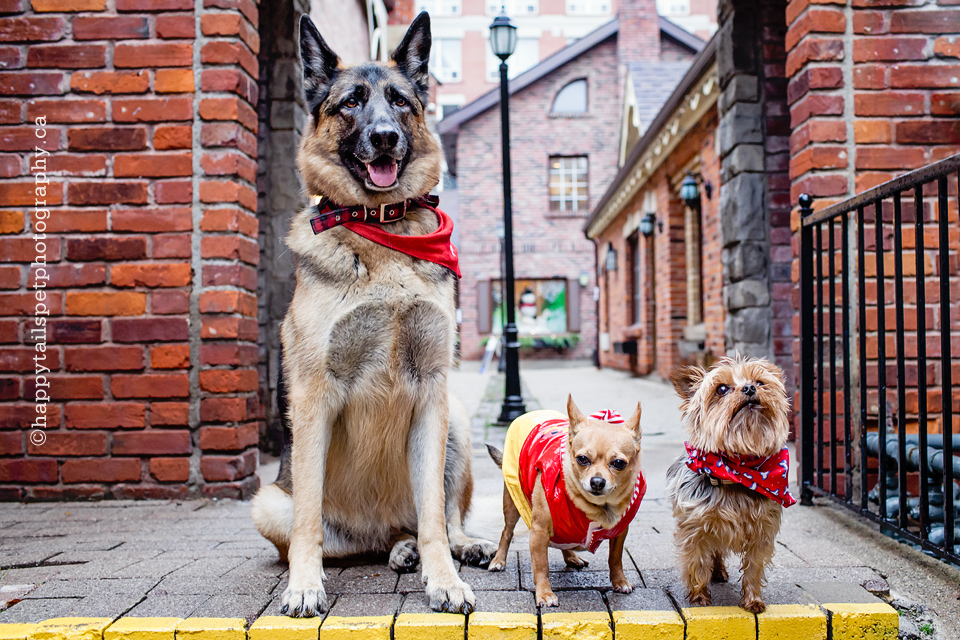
(583, 461)
(759, 384)
(401, 102)
(618, 464)
(723, 390)
(351, 103)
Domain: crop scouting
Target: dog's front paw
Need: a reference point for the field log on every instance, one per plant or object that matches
(575, 562)
(622, 586)
(701, 598)
(477, 552)
(450, 596)
(548, 599)
(304, 603)
(497, 565)
(404, 556)
(753, 605)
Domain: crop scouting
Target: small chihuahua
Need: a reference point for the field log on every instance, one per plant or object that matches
(576, 481)
(729, 491)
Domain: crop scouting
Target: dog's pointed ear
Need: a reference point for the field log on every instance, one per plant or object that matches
(574, 415)
(319, 61)
(633, 424)
(686, 380)
(412, 55)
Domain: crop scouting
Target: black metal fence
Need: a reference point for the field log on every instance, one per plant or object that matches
(876, 379)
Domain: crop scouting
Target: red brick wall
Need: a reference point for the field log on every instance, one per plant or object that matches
(545, 244)
(874, 93)
(663, 274)
(150, 247)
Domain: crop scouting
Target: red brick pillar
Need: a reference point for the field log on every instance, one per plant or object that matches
(226, 269)
(147, 283)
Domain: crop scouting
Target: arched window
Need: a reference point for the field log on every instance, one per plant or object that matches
(572, 98)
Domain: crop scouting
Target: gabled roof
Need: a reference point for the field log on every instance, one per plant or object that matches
(653, 82)
(451, 123)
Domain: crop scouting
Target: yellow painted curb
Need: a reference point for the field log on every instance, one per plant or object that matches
(792, 622)
(10, 631)
(429, 626)
(589, 625)
(212, 629)
(648, 625)
(719, 623)
(142, 629)
(284, 628)
(356, 628)
(71, 629)
(502, 626)
(867, 621)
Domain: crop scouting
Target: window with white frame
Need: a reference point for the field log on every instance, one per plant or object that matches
(568, 183)
(513, 8)
(446, 59)
(526, 55)
(588, 7)
(673, 7)
(572, 98)
(439, 7)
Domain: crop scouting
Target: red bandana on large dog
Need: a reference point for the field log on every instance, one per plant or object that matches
(767, 476)
(434, 247)
(542, 453)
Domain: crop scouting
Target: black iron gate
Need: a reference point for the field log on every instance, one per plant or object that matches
(877, 401)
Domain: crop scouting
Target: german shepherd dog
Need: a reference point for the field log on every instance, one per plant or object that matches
(380, 451)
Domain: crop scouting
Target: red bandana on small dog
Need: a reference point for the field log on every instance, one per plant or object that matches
(767, 476)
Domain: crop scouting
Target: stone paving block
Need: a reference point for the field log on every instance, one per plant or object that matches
(863, 621)
(71, 628)
(29, 575)
(502, 626)
(284, 628)
(366, 579)
(81, 588)
(39, 610)
(188, 585)
(481, 579)
(366, 605)
(719, 623)
(640, 600)
(784, 593)
(429, 626)
(576, 580)
(233, 606)
(150, 568)
(822, 591)
(212, 629)
(792, 622)
(158, 604)
(578, 602)
(16, 631)
(411, 582)
(128, 628)
(506, 602)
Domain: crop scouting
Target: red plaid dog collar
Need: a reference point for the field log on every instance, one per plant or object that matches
(330, 215)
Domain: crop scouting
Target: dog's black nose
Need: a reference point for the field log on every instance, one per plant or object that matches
(384, 138)
(597, 484)
(749, 390)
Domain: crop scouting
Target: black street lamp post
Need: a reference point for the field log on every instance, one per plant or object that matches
(503, 41)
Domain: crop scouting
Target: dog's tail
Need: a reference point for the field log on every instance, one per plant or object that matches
(496, 454)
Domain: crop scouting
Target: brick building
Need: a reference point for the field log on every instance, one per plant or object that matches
(129, 257)
(825, 99)
(566, 116)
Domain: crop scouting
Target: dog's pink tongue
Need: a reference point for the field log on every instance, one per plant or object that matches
(383, 175)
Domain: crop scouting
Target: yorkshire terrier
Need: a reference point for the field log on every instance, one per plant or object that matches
(576, 481)
(729, 491)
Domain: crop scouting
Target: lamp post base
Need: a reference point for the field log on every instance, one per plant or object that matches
(511, 409)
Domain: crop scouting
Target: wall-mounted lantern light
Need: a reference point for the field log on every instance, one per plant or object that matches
(584, 278)
(647, 223)
(689, 192)
(611, 259)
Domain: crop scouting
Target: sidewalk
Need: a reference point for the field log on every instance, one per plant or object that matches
(204, 559)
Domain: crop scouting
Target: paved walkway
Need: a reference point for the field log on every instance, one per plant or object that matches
(205, 559)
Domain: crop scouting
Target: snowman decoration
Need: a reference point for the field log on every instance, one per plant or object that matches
(528, 310)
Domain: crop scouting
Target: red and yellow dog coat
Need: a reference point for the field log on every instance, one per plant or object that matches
(536, 443)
